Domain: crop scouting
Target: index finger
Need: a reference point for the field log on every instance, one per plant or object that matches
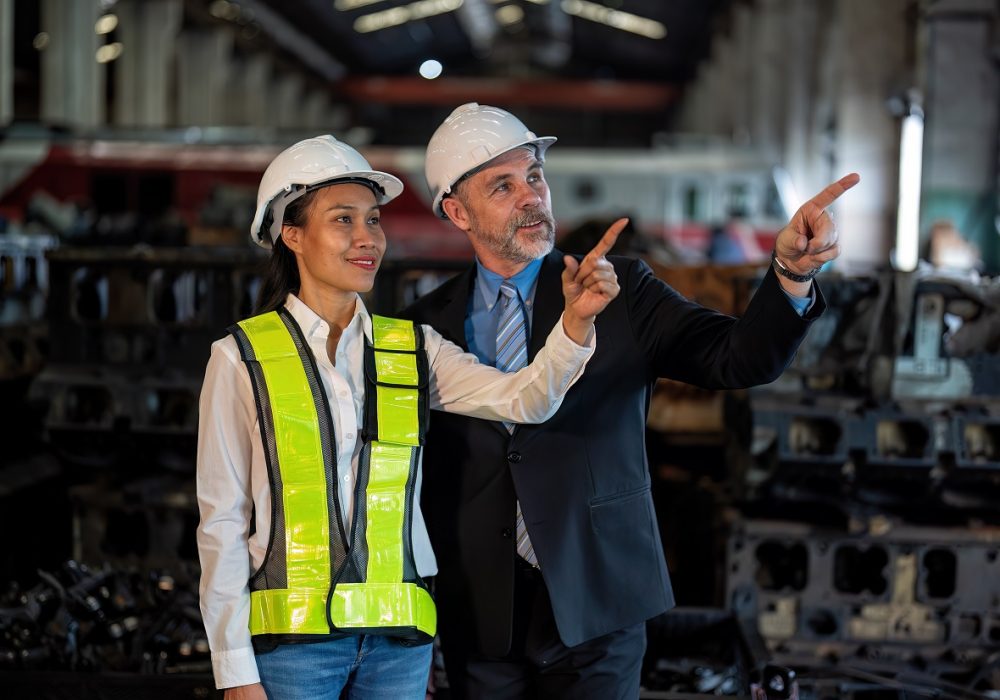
(830, 193)
(609, 239)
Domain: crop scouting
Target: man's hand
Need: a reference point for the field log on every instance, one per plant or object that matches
(810, 238)
(589, 285)
(246, 692)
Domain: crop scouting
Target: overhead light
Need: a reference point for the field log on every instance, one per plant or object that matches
(431, 69)
(223, 9)
(40, 41)
(396, 16)
(911, 157)
(625, 21)
(106, 24)
(347, 5)
(509, 14)
(109, 52)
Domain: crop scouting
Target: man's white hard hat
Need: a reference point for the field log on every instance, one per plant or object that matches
(307, 165)
(471, 136)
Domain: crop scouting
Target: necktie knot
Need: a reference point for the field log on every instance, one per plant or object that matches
(508, 290)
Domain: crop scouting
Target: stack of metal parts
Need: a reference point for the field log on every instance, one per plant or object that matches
(134, 328)
(868, 543)
(23, 283)
(77, 619)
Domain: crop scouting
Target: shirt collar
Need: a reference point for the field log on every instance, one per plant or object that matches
(315, 327)
(488, 282)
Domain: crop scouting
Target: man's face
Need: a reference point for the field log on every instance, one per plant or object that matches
(506, 208)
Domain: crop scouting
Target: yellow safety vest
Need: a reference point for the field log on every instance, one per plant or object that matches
(316, 578)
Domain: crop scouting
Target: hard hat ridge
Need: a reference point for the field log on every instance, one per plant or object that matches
(468, 139)
(307, 165)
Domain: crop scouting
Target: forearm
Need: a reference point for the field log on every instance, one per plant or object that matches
(460, 384)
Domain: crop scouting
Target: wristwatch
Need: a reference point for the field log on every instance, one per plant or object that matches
(780, 268)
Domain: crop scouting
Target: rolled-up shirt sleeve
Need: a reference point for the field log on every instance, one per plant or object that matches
(226, 421)
(459, 383)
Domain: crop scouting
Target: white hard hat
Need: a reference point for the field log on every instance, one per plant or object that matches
(318, 161)
(472, 135)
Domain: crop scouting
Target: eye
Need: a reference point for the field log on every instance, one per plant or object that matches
(502, 187)
(345, 219)
(374, 220)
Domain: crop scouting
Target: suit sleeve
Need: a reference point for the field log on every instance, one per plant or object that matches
(685, 341)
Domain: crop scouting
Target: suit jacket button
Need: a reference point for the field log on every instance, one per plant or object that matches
(514, 457)
(507, 533)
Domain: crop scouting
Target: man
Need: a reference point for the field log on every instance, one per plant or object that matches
(550, 560)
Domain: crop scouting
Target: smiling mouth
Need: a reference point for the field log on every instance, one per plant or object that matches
(364, 263)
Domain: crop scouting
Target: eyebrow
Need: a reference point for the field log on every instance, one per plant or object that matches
(347, 207)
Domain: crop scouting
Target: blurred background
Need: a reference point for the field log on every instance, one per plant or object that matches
(843, 522)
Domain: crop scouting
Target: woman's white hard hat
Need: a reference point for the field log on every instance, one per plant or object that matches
(307, 165)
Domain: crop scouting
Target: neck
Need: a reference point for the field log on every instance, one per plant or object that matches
(335, 306)
(501, 266)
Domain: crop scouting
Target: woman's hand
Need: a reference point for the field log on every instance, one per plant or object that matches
(246, 692)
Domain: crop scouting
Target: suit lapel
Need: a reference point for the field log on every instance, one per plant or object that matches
(548, 304)
(451, 322)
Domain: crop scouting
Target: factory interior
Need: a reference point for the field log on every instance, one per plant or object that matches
(833, 534)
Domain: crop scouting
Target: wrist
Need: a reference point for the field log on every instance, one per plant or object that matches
(577, 328)
(783, 270)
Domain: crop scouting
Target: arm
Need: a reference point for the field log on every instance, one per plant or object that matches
(459, 384)
(226, 420)
(688, 342)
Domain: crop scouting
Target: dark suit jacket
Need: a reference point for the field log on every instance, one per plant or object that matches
(582, 477)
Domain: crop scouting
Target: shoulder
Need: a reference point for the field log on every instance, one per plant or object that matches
(427, 306)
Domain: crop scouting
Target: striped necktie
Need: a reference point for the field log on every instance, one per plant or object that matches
(512, 355)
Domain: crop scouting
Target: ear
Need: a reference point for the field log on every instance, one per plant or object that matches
(292, 236)
(456, 212)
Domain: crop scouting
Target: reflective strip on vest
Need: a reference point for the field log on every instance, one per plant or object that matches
(307, 517)
(383, 599)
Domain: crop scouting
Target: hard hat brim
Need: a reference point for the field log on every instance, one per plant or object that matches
(540, 143)
(391, 185)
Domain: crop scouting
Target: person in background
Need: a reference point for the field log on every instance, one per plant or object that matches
(548, 547)
(312, 541)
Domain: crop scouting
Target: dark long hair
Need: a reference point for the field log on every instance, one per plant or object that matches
(282, 275)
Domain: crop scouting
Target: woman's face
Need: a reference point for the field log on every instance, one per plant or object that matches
(341, 244)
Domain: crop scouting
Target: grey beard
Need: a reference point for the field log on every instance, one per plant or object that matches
(509, 246)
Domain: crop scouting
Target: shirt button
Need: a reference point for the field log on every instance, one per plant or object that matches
(514, 457)
(347, 479)
(506, 533)
(349, 436)
(342, 394)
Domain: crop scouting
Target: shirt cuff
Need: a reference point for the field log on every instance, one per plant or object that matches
(802, 304)
(566, 349)
(234, 668)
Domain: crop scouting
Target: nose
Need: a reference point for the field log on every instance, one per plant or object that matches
(528, 195)
(366, 236)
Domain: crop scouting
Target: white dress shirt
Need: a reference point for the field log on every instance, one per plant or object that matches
(232, 472)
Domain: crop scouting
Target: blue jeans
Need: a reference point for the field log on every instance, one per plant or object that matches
(362, 667)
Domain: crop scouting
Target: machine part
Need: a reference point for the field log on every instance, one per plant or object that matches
(886, 594)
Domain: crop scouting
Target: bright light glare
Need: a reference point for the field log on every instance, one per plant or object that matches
(431, 69)
(626, 21)
(109, 52)
(106, 24)
(344, 5)
(395, 16)
(509, 14)
(911, 157)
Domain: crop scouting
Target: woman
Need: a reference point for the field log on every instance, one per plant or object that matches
(312, 543)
